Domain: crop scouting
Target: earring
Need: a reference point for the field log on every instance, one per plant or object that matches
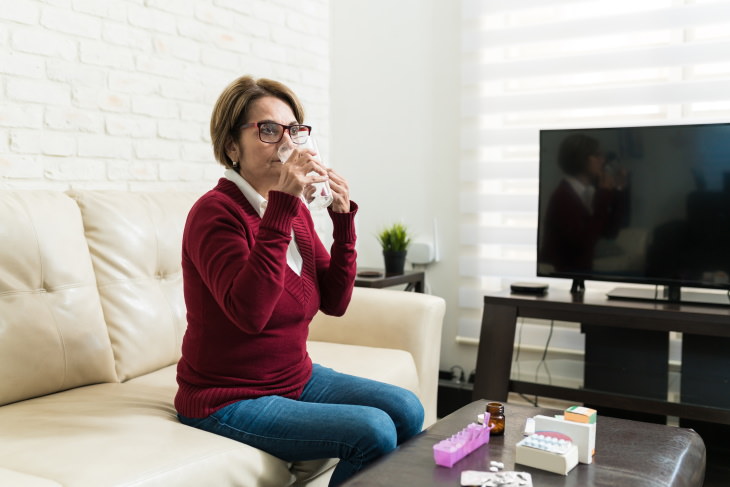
(234, 164)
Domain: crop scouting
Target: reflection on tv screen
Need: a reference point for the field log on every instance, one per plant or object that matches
(636, 204)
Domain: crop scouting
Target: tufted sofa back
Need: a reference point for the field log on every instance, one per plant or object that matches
(135, 242)
(52, 331)
(90, 287)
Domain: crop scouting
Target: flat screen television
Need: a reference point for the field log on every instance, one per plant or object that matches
(645, 205)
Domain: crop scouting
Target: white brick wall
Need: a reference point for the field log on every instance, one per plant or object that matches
(118, 93)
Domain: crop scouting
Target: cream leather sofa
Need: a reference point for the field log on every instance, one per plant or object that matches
(91, 321)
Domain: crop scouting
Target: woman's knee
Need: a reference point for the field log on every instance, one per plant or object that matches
(412, 417)
(378, 431)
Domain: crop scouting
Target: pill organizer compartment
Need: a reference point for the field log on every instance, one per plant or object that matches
(449, 451)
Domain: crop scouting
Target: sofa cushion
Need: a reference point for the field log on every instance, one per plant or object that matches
(12, 478)
(135, 240)
(52, 331)
(128, 434)
(382, 364)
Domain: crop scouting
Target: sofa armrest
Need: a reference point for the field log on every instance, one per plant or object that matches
(392, 319)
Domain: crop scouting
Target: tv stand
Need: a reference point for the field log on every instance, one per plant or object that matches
(671, 294)
(493, 378)
(578, 287)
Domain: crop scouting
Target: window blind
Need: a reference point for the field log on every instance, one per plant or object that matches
(539, 64)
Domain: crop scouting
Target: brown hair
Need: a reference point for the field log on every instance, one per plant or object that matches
(231, 110)
(574, 152)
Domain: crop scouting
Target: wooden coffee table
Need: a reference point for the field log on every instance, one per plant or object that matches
(628, 454)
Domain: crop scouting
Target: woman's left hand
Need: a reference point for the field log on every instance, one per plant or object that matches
(340, 192)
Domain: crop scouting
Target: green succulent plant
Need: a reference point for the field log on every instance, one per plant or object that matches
(395, 237)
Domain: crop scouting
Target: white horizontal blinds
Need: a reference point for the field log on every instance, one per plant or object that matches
(540, 64)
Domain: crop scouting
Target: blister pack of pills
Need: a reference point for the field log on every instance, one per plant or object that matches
(550, 441)
(496, 479)
(547, 450)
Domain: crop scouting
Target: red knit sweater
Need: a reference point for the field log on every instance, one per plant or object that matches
(248, 313)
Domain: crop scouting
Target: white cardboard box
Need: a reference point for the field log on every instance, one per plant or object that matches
(545, 460)
(582, 434)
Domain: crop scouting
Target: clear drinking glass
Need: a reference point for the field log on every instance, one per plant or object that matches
(321, 196)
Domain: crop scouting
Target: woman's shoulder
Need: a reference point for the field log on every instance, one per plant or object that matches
(224, 195)
(220, 200)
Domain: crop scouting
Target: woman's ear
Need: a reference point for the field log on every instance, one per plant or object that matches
(232, 150)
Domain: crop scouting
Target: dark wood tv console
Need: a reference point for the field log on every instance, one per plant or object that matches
(700, 325)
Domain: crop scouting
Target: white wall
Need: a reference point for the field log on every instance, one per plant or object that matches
(118, 93)
(395, 72)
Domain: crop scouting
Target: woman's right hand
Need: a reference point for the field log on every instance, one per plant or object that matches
(295, 173)
(614, 180)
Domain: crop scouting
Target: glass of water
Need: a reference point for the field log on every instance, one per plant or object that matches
(319, 195)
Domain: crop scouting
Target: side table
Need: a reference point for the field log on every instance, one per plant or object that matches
(376, 278)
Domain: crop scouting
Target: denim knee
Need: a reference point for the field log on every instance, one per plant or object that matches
(378, 433)
(411, 423)
(373, 436)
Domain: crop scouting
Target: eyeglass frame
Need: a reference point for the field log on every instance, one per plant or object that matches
(287, 128)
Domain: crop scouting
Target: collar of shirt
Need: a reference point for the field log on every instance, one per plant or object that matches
(578, 186)
(257, 201)
(584, 191)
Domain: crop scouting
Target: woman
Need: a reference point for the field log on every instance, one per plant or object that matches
(590, 203)
(255, 273)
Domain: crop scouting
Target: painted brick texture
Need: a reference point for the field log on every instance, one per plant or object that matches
(117, 93)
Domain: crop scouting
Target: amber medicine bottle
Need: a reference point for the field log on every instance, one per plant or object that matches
(496, 418)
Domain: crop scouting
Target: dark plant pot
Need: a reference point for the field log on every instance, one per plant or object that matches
(395, 261)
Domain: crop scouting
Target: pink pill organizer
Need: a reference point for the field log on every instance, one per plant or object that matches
(449, 451)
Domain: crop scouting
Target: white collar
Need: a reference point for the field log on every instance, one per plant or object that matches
(579, 187)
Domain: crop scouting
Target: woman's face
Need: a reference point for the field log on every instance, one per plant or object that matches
(595, 165)
(259, 161)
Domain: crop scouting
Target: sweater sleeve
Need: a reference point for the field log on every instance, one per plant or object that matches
(245, 280)
(336, 272)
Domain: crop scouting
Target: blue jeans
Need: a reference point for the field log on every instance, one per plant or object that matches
(338, 416)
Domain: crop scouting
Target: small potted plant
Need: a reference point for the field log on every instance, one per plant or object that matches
(394, 240)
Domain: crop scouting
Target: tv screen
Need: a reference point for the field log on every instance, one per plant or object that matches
(647, 205)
